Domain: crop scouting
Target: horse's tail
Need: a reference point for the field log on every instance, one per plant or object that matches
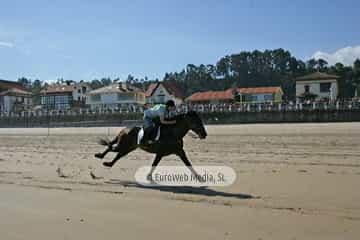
(104, 142)
(122, 134)
(117, 140)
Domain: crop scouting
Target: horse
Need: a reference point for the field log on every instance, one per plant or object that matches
(127, 141)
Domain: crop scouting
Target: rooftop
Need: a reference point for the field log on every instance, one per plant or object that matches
(149, 92)
(58, 88)
(317, 76)
(171, 88)
(259, 90)
(6, 84)
(16, 92)
(228, 94)
(116, 88)
(211, 95)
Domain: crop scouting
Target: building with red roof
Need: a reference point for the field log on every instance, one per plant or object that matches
(13, 97)
(259, 94)
(253, 95)
(212, 97)
(160, 92)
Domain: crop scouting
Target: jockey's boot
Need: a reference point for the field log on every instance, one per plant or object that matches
(147, 138)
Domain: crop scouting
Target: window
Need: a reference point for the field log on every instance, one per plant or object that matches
(95, 98)
(268, 97)
(307, 88)
(161, 98)
(325, 87)
(124, 97)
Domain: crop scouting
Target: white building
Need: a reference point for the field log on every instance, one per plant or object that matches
(79, 94)
(160, 92)
(15, 100)
(65, 96)
(260, 94)
(115, 96)
(317, 86)
(13, 97)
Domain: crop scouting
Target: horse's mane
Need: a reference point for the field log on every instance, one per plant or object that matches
(182, 116)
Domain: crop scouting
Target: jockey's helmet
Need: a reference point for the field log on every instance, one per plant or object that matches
(170, 103)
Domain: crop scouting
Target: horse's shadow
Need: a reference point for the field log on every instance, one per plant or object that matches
(182, 190)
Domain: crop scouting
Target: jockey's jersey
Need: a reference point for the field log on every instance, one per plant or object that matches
(157, 111)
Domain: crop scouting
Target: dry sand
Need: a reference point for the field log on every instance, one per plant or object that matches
(303, 179)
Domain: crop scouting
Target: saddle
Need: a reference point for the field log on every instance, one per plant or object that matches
(154, 134)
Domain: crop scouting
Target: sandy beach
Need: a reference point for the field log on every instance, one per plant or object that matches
(294, 181)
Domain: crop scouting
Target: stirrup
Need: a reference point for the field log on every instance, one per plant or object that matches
(150, 141)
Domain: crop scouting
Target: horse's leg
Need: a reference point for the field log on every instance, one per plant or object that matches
(122, 152)
(108, 149)
(181, 153)
(153, 166)
(115, 140)
(102, 155)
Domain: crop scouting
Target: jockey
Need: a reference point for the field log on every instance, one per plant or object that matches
(158, 114)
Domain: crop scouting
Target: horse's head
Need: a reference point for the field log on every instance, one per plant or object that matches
(196, 124)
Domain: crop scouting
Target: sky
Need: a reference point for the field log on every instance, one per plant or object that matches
(88, 39)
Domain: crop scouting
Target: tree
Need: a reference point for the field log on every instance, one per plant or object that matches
(223, 66)
(356, 76)
(311, 64)
(36, 90)
(95, 84)
(26, 83)
(321, 64)
(105, 81)
(130, 78)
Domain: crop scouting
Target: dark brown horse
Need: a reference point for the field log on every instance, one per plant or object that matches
(127, 140)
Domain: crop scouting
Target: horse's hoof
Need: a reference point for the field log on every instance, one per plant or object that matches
(149, 178)
(107, 164)
(99, 155)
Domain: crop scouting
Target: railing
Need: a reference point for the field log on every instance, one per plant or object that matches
(205, 108)
(264, 107)
(68, 112)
